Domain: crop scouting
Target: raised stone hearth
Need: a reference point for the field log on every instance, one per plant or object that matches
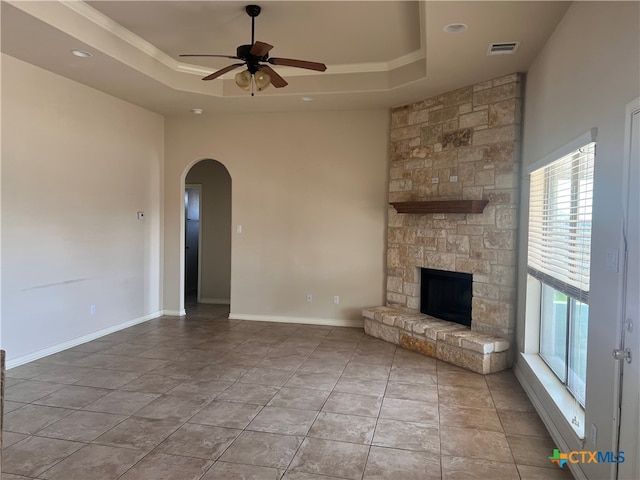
(448, 341)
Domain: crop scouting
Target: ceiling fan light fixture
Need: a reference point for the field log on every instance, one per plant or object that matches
(243, 80)
(262, 80)
(81, 53)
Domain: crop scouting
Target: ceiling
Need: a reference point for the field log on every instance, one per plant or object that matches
(378, 53)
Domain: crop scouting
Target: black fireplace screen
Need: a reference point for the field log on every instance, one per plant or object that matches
(446, 295)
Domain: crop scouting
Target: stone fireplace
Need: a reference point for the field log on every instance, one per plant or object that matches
(462, 145)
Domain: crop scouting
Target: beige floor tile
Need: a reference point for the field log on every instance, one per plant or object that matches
(97, 462)
(82, 426)
(473, 443)
(30, 390)
(263, 449)
(407, 436)
(460, 468)
(266, 376)
(160, 466)
(138, 433)
(34, 455)
(465, 396)
(478, 418)
(390, 463)
(11, 438)
(287, 421)
(412, 391)
(171, 407)
(121, 402)
(303, 398)
(352, 404)
(314, 381)
(343, 428)
(410, 411)
(72, 396)
(331, 458)
(202, 441)
(361, 386)
(528, 472)
(248, 393)
(227, 414)
(235, 471)
(32, 418)
(533, 451)
(522, 423)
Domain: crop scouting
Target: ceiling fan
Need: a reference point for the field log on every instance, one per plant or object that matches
(254, 56)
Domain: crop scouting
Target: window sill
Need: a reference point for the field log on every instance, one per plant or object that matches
(571, 410)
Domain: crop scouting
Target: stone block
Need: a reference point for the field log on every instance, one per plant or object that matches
(498, 362)
(404, 133)
(425, 347)
(443, 114)
(494, 135)
(383, 332)
(394, 284)
(499, 239)
(418, 116)
(399, 116)
(496, 94)
(491, 312)
(484, 178)
(458, 244)
(506, 217)
(474, 119)
(457, 138)
(471, 154)
(400, 185)
(502, 113)
(450, 189)
(472, 265)
(473, 361)
(459, 96)
(431, 134)
(444, 261)
(422, 151)
(396, 298)
(511, 78)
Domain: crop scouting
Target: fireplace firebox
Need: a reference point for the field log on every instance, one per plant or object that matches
(446, 295)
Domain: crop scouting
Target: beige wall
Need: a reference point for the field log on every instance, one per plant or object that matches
(584, 77)
(76, 167)
(309, 190)
(215, 226)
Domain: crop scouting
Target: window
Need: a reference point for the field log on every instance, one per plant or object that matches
(559, 248)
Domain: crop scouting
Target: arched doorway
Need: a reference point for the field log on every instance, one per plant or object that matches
(207, 230)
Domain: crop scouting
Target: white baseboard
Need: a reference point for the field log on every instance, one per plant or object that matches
(215, 301)
(77, 341)
(333, 322)
(174, 313)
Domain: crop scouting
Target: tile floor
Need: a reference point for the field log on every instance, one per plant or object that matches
(205, 397)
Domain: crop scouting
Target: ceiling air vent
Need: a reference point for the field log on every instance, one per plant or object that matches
(503, 48)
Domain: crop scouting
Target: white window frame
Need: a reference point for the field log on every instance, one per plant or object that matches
(564, 401)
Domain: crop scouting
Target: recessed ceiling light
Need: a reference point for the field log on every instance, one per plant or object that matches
(197, 111)
(455, 27)
(82, 53)
(307, 99)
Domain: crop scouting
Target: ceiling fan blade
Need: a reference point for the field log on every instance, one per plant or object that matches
(276, 80)
(222, 71)
(290, 62)
(207, 55)
(260, 49)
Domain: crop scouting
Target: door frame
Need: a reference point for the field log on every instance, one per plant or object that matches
(197, 186)
(628, 384)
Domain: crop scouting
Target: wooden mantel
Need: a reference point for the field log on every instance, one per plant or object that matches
(441, 206)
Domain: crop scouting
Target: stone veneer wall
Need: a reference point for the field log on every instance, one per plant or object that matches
(460, 145)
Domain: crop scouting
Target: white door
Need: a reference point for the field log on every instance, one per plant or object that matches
(630, 406)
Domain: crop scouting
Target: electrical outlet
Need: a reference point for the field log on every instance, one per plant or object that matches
(309, 298)
(92, 310)
(336, 299)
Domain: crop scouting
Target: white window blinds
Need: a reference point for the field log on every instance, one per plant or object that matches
(560, 202)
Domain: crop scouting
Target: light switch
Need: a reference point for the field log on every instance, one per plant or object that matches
(238, 228)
